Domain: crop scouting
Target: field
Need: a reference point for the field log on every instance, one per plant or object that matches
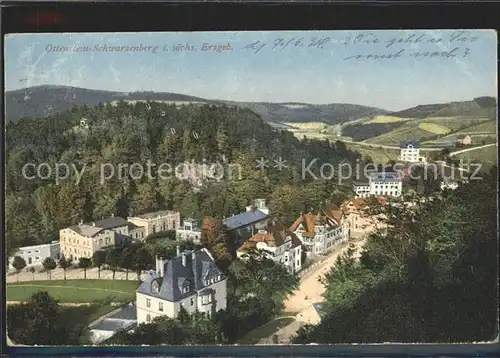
(379, 156)
(487, 156)
(316, 130)
(307, 125)
(386, 119)
(74, 291)
(433, 128)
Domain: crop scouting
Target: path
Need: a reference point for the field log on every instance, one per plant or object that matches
(71, 274)
(310, 287)
(471, 149)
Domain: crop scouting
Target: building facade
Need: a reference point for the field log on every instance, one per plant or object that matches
(191, 280)
(463, 140)
(359, 221)
(361, 190)
(386, 184)
(84, 239)
(259, 204)
(36, 254)
(410, 151)
(320, 232)
(282, 245)
(158, 221)
(189, 230)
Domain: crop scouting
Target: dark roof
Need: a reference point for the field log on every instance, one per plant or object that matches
(385, 176)
(414, 143)
(319, 308)
(92, 228)
(199, 267)
(244, 219)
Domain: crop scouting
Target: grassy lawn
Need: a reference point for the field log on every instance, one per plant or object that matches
(75, 291)
(266, 330)
(433, 128)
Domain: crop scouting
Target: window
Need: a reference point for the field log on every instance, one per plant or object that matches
(192, 301)
(186, 287)
(100, 242)
(37, 258)
(206, 299)
(148, 317)
(148, 302)
(29, 260)
(154, 229)
(160, 306)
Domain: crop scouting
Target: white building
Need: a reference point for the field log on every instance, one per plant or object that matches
(321, 232)
(259, 204)
(361, 190)
(386, 184)
(282, 245)
(34, 255)
(190, 230)
(410, 151)
(190, 280)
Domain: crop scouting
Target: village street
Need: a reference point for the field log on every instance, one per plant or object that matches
(310, 291)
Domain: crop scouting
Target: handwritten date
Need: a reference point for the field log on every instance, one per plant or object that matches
(281, 43)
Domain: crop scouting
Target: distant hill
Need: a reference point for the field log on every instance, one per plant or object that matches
(425, 122)
(44, 100)
(479, 107)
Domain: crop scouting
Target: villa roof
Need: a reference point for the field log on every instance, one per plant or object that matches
(274, 236)
(328, 215)
(91, 229)
(245, 219)
(200, 266)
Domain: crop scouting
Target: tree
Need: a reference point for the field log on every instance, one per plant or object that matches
(49, 264)
(99, 259)
(127, 260)
(18, 263)
(32, 270)
(65, 264)
(113, 260)
(85, 263)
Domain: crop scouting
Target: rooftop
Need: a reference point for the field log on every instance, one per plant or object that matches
(329, 215)
(155, 214)
(91, 229)
(245, 219)
(199, 267)
(414, 143)
(385, 176)
(274, 236)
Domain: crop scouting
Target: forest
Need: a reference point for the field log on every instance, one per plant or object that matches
(36, 209)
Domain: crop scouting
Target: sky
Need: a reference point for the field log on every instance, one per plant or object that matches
(323, 67)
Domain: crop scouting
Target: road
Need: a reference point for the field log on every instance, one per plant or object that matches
(471, 149)
(310, 291)
(379, 146)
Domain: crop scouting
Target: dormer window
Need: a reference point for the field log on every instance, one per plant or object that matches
(155, 287)
(186, 287)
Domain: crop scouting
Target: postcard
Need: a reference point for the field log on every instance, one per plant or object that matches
(251, 188)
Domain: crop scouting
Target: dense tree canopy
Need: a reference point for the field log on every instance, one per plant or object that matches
(133, 135)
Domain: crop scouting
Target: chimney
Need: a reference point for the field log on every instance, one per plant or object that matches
(184, 261)
(160, 266)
